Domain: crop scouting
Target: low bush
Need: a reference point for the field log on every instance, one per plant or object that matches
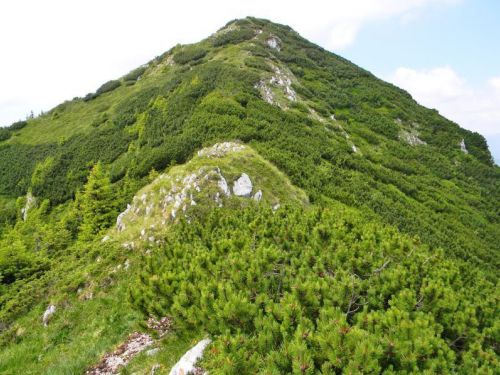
(108, 86)
(233, 37)
(18, 125)
(4, 134)
(189, 53)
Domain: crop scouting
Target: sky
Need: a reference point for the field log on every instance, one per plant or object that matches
(445, 53)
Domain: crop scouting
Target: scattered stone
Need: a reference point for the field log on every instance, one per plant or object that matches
(276, 206)
(111, 363)
(129, 245)
(86, 295)
(258, 196)
(462, 147)
(242, 187)
(186, 364)
(162, 326)
(51, 310)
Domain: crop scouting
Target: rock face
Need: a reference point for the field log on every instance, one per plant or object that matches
(120, 226)
(462, 147)
(48, 314)
(265, 91)
(411, 137)
(186, 364)
(30, 203)
(242, 187)
(283, 79)
(274, 43)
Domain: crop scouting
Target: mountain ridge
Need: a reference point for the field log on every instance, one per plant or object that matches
(377, 219)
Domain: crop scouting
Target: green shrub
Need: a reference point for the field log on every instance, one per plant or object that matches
(258, 63)
(18, 125)
(135, 74)
(318, 290)
(189, 53)
(233, 37)
(108, 86)
(4, 134)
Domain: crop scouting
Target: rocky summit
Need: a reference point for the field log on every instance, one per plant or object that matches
(250, 203)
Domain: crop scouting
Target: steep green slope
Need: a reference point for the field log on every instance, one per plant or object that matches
(312, 127)
(89, 282)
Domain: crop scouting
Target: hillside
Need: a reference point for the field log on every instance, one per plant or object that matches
(257, 190)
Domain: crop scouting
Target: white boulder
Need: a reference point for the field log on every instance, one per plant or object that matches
(186, 364)
(242, 187)
(47, 314)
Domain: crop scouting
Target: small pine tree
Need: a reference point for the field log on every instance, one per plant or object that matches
(97, 204)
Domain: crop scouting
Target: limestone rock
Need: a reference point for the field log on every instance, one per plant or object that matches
(242, 187)
(48, 314)
(119, 220)
(186, 364)
(258, 196)
(30, 203)
(462, 147)
(411, 137)
(274, 43)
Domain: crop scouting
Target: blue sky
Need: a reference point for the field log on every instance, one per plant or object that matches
(444, 52)
(464, 37)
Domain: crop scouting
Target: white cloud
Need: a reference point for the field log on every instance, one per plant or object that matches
(54, 50)
(431, 86)
(474, 108)
(495, 83)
